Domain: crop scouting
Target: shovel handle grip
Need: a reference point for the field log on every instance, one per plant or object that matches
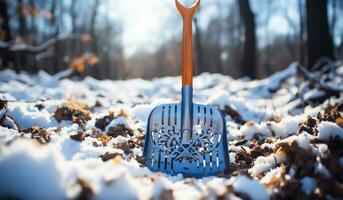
(187, 52)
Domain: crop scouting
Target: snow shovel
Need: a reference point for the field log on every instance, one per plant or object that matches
(184, 137)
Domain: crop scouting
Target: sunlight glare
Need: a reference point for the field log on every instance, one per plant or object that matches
(141, 23)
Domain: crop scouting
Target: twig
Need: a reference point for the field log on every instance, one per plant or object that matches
(317, 81)
(24, 48)
(26, 101)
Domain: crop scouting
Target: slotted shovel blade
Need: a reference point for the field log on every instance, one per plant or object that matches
(206, 154)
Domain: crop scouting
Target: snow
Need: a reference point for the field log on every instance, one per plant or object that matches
(9, 122)
(287, 126)
(216, 187)
(6, 97)
(119, 121)
(141, 112)
(246, 107)
(120, 139)
(162, 185)
(272, 174)
(308, 184)
(2, 113)
(29, 170)
(265, 163)
(313, 94)
(329, 130)
(7, 135)
(323, 150)
(39, 172)
(185, 191)
(303, 140)
(27, 116)
(250, 129)
(125, 187)
(250, 187)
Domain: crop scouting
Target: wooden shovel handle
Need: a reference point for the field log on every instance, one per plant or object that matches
(187, 59)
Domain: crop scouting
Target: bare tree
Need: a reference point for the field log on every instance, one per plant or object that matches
(5, 31)
(334, 17)
(73, 15)
(92, 25)
(22, 19)
(301, 33)
(319, 40)
(94, 45)
(248, 61)
(200, 67)
(53, 21)
(213, 46)
(267, 62)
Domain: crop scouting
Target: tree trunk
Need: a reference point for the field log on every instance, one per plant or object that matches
(333, 27)
(94, 45)
(198, 48)
(73, 16)
(56, 64)
(301, 33)
(5, 31)
(22, 20)
(248, 62)
(92, 26)
(267, 65)
(333, 18)
(319, 40)
(53, 20)
(20, 58)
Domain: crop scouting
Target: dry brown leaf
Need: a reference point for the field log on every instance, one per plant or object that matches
(78, 65)
(103, 138)
(92, 59)
(123, 113)
(278, 179)
(2, 35)
(249, 123)
(339, 122)
(117, 160)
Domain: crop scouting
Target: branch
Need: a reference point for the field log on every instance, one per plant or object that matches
(317, 81)
(24, 48)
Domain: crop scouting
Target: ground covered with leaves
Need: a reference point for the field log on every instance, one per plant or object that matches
(83, 139)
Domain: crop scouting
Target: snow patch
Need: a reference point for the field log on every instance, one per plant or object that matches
(26, 115)
(29, 171)
(287, 126)
(250, 187)
(327, 130)
(120, 121)
(265, 163)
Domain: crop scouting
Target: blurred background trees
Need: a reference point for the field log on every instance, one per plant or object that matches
(251, 38)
